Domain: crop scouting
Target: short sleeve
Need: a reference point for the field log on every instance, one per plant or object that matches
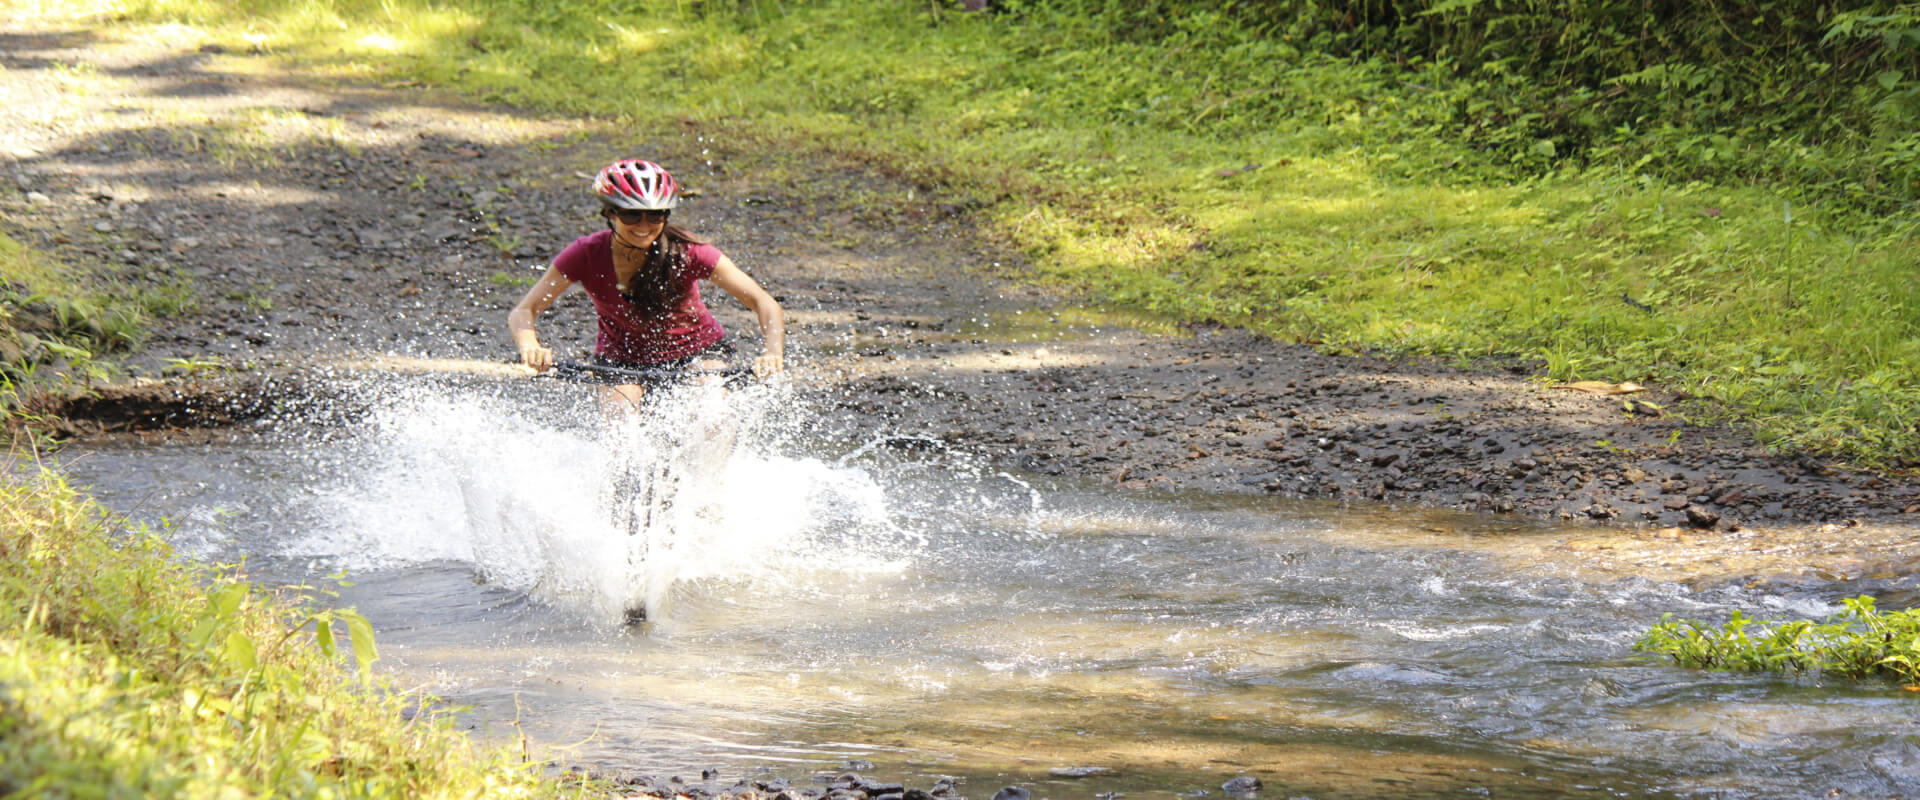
(701, 259)
(574, 261)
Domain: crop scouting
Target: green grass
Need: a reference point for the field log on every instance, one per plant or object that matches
(126, 673)
(56, 319)
(1213, 174)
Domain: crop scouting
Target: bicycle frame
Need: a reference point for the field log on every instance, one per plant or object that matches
(642, 495)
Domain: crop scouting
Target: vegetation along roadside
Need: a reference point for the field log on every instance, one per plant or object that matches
(1717, 197)
(55, 321)
(124, 672)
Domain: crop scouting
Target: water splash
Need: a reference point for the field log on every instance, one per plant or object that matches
(590, 513)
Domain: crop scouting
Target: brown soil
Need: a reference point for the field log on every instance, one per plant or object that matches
(318, 220)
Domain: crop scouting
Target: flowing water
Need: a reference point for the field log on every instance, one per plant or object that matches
(896, 602)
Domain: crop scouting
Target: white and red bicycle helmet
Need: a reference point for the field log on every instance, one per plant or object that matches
(637, 185)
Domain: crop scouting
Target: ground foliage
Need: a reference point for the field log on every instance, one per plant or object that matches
(1861, 641)
(1713, 196)
(57, 324)
(125, 673)
(1818, 99)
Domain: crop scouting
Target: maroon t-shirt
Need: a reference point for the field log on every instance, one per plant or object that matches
(626, 334)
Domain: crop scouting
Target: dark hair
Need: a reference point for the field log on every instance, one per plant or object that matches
(653, 290)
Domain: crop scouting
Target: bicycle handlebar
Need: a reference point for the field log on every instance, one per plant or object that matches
(580, 372)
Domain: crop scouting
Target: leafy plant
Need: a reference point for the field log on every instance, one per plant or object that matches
(1860, 641)
(124, 671)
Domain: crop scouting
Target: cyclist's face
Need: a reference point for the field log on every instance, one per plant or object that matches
(637, 229)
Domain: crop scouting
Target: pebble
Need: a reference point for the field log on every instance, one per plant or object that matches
(1245, 784)
(103, 226)
(37, 198)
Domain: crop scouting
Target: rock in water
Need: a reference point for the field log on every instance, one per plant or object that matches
(1012, 793)
(1243, 785)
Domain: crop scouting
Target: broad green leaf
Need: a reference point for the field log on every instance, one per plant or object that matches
(241, 652)
(360, 631)
(323, 633)
(226, 600)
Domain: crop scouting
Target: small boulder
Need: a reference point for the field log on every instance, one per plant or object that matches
(1243, 785)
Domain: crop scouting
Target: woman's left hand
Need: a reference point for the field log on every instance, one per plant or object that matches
(768, 364)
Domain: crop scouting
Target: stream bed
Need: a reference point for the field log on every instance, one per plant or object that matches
(892, 601)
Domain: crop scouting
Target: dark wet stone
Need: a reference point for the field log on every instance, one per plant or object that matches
(916, 794)
(1701, 518)
(1012, 793)
(1245, 784)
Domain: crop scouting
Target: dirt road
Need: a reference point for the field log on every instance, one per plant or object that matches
(296, 219)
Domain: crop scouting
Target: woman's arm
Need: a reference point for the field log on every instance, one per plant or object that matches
(773, 322)
(520, 320)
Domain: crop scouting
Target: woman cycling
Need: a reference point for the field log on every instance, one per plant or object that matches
(643, 277)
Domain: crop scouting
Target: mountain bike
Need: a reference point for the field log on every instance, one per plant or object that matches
(653, 470)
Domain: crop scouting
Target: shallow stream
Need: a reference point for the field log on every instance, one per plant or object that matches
(896, 602)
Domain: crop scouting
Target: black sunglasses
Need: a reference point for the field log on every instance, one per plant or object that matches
(639, 216)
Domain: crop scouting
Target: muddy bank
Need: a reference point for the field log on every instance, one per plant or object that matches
(1224, 410)
(312, 222)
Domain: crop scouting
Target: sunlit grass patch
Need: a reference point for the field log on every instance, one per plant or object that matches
(268, 135)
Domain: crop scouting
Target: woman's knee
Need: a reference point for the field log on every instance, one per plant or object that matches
(625, 397)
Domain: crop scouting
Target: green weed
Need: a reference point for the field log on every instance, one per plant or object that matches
(256, 300)
(57, 324)
(194, 366)
(1861, 641)
(511, 280)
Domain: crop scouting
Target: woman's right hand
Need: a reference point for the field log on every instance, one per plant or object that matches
(537, 357)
